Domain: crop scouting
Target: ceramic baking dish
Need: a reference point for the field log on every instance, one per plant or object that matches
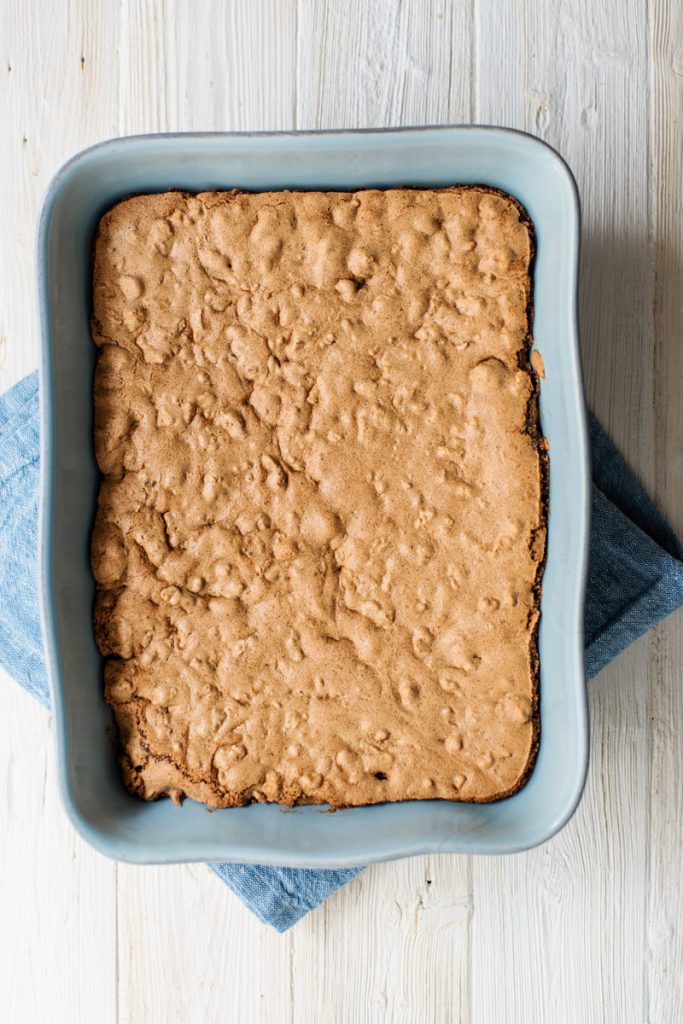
(95, 798)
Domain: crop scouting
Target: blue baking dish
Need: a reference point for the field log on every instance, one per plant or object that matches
(96, 801)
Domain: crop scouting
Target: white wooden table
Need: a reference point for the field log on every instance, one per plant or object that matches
(588, 928)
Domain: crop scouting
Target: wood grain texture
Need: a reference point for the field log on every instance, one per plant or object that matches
(57, 896)
(586, 928)
(188, 951)
(664, 938)
(411, 962)
(393, 64)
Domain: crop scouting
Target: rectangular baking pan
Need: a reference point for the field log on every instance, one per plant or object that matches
(96, 801)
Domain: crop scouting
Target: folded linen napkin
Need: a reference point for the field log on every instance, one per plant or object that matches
(635, 579)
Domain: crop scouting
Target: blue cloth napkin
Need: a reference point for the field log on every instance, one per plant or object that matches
(635, 579)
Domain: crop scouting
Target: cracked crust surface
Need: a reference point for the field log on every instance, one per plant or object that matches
(321, 521)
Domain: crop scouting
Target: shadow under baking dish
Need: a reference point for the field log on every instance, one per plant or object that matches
(95, 798)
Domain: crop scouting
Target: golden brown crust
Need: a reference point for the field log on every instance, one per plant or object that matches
(321, 526)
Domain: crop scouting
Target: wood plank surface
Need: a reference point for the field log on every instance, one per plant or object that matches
(663, 953)
(57, 896)
(588, 927)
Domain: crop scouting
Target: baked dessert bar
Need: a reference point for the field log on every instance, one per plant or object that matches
(321, 523)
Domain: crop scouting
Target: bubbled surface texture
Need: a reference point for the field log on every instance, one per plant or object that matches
(321, 522)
